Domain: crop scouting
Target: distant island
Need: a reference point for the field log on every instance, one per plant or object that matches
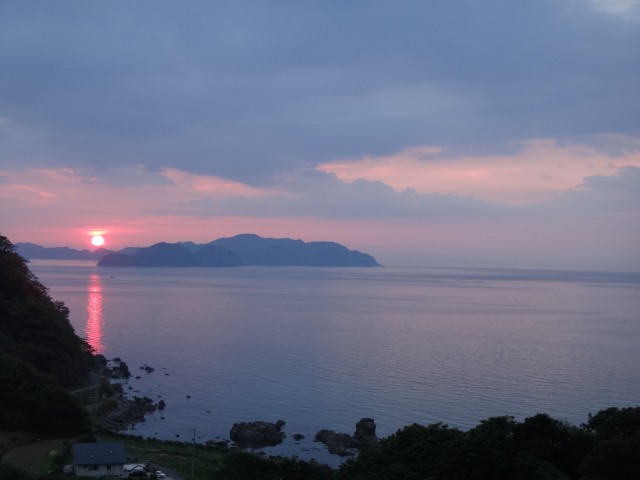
(240, 250)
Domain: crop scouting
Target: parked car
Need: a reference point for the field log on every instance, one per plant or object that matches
(138, 474)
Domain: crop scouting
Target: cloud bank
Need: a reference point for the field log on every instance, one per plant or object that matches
(403, 128)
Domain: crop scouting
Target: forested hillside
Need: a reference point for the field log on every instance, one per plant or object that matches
(502, 448)
(41, 357)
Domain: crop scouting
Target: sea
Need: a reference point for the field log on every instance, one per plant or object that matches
(321, 348)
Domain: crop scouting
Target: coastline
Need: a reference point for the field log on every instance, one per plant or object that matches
(120, 412)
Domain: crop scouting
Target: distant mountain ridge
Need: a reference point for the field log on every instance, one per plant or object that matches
(173, 255)
(31, 250)
(240, 250)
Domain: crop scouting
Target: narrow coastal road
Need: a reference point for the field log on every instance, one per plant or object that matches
(93, 381)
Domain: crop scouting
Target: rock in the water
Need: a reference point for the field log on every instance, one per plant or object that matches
(365, 432)
(298, 436)
(338, 443)
(256, 434)
(161, 405)
(343, 444)
(119, 371)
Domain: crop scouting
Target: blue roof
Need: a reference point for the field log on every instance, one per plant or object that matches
(98, 453)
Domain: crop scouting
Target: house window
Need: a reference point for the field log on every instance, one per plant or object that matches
(108, 468)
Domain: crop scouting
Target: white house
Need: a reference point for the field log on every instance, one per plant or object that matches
(99, 459)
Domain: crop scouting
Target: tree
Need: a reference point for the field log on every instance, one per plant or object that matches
(617, 445)
(40, 353)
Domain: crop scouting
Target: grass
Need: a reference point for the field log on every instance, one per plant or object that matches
(210, 463)
(23, 451)
(37, 457)
(179, 457)
(176, 459)
(11, 440)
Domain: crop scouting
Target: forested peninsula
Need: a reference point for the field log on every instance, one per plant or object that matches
(240, 250)
(42, 360)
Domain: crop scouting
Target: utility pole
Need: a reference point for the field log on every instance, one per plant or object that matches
(193, 453)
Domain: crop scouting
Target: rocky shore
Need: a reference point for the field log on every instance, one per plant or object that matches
(262, 434)
(118, 412)
(344, 444)
(257, 434)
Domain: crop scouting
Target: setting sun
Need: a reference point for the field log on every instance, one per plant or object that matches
(97, 240)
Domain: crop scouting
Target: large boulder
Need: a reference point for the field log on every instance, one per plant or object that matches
(344, 444)
(256, 434)
(341, 444)
(365, 432)
(119, 371)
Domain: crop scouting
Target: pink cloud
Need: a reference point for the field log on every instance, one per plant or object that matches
(129, 206)
(213, 185)
(133, 206)
(539, 171)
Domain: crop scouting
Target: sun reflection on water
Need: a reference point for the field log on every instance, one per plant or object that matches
(93, 328)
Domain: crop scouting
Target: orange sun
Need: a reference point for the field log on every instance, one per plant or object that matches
(97, 240)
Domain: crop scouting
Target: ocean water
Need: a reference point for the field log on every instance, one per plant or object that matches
(323, 347)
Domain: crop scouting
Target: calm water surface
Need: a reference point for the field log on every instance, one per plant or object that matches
(323, 347)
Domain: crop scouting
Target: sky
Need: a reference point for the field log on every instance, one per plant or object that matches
(423, 132)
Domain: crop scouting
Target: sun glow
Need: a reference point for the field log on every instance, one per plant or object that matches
(93, 328)
(97, 240)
